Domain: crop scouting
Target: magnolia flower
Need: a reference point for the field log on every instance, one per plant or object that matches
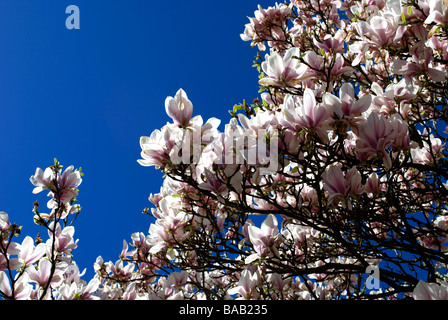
(154, 153)
(385, 100)
(79, 290)
(11, 263)
(64, 241)
(438, 12)
(332, 43)
(268, 24)
(282, 71)
(375, 136)
(304, 114)
(379, 31)
(431, 291)
(373, 184)
(176, 279)
(63, 187)
(246, 285)
(22, 289)
(41, 274)
(346, 105)
(29, 253)
(41, 179)
(339, 186)
(442, 222)
(422, 66)
(264, 238)
(213, 184)
(4, 222)
(179, 108)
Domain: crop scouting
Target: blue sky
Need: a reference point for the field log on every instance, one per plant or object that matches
(86, 96)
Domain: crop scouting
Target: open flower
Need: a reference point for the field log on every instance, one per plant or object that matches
(246, 285)
(340, 186)
(41, 179)
(179, 108)
(29, 253)
(41, 275)
(431, 291)
(282, 71)
(264, 239)
(306, 113)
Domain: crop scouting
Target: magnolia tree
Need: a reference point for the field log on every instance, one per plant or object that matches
(336, 170)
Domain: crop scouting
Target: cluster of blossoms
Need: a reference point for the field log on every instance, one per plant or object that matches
(339, 166)
(40, 270)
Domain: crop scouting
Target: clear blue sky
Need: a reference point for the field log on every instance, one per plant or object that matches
(86, 96)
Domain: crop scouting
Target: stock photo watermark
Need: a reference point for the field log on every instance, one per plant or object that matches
(73, 20)
(251, 147)
(373, 280)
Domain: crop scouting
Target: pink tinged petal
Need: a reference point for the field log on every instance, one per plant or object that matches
(353, 177)
(308, 106)
(270, 225)
(436, 75)
(4, 221)
(426, 291)
(333, 104)
(382, 29)
(347, 96)
(42, 275)
(30, 254)
(5, 285)
(334, 181)
(179, 108)
(363, 104)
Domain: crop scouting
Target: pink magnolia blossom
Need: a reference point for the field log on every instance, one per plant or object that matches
(41, 274)
(385, 101)
(442, 222)
(374, 137)
(438, 12)
(282, 71)
(41, 179)
(304, 114)
(213, 184)
(431, 291)
(332, 43)
(22, 288)
(379, 31)
(4, 222)
(374, 184)
(14, 263)
(267, 24)
(264, 239)
(315, 63)
(179, 108)
(422, 64)
(64, 241)
(121, 272)
(63, 187)
(155, 151)
(79, 290)
(247, 283)
(346, 105)
(340, 186)
(29, 253)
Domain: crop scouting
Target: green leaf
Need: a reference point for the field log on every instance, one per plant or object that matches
(237, 107)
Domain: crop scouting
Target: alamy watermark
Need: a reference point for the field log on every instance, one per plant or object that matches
(251, 147)
(373, 280)
(73, 20)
